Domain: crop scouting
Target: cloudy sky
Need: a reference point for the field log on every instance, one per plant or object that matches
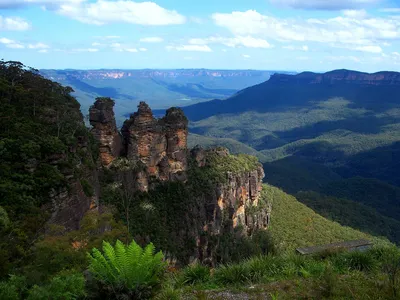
(315, 35)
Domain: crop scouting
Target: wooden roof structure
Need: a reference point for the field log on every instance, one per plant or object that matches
(347, 245)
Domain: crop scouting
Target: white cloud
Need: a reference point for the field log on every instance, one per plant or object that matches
(390, 10)
(13, 23)
(371, 49)
(121, 11)
(246, 56)
(95, 44)
(153, 39)
(11, 43)
(196, 20)
(325, 4)
(300, 48)
(356, 14)
(43, 51)
(196, 48)
(365, 34)
(245, 41)
(47, 4)
(125, 48)
(38, 46)
(343, 58)
(86, 50)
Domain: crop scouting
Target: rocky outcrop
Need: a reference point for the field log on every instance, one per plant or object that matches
(104, 129)
(155, 154)
(160, 145)
(233, 205)
(339, 76)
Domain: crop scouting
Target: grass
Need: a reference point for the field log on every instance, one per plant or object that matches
(295, 225)
(343, 275)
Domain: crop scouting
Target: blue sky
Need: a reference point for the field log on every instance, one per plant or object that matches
(316, 35)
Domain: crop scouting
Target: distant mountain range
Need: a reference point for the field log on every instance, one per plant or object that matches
(159, 88)
(335, 134)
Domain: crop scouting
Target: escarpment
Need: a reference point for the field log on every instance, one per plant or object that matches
(183, 201)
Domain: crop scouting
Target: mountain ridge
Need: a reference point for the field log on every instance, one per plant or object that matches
(339, 76)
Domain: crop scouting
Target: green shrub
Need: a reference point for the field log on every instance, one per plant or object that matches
(87, 188)
(126, 270)
(361, 261)
(8, 291)
(13, 288)
(329, 281)
(196, 274)
(169, 293)
(63, 287)
(4, 220)
(232, 274)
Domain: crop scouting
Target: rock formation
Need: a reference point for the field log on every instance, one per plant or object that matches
(159, 144)
(156, 151)
(232, 205)
(102, 119)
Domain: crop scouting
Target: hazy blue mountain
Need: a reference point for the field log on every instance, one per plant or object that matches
(159, 88)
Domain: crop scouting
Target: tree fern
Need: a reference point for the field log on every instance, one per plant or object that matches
(127, 267)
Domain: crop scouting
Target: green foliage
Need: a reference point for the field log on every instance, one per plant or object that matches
(62, 287)
(234, 247)
(41, 152)
(65, 286)
(13, 289)
(360, 261)
(127, 269)
(232, 274)
(59, 250)
(195, 274)
(329, 281)
(87, 188)
(383, 197)
(352, 214)
(234, 146)
(294, 225)
(4, 220)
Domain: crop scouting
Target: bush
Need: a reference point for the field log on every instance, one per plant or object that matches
(196, 274)
(360, 261)
(13, 288)
(232, 274)
(63, 287)
(4, 220)
(126, 270)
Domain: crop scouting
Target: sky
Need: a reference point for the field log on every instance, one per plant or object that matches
(295, 35)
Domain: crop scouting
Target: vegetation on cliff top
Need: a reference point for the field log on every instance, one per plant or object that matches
(41, 129)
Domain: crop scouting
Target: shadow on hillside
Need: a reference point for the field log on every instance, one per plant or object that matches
(368, 124)
(382, 163)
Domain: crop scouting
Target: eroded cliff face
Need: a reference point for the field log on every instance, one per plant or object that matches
(195, 203)
(159, 144)
(102, 118)
(234, 205)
